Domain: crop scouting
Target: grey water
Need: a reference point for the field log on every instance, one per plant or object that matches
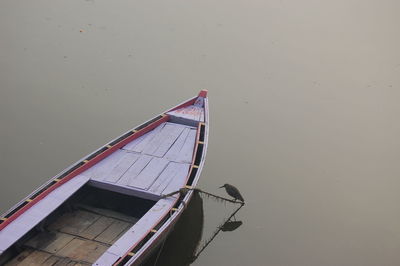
(304, 99)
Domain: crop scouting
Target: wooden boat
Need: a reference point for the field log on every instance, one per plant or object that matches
(109, 208)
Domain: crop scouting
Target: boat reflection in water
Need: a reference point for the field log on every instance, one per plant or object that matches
(182, 245)
(182, 242)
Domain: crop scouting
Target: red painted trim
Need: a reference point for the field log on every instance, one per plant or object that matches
(190, 102)
(82, 168)
(203, 93)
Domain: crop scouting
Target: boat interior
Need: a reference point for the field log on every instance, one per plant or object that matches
(95, 217)
(80, 230)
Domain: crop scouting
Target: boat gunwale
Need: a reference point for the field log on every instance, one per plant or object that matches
(103, 152)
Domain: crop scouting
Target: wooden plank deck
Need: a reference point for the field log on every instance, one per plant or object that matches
(82, 250)
(145, 163)
(102, 168)
(77, 237)
(141, 143)
(50, 242)
(108, 213)
(182, 149)
(135, 170)
(185, 154)
(122, 166)
(74, 222)
(150, 173)
(161, 143)
(30, 257)
(113, 232)
(172, 170)
(97, 228)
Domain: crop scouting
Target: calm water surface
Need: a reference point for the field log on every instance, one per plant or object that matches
(304, 102)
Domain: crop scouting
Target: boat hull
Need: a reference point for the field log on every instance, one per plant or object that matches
(162, 170)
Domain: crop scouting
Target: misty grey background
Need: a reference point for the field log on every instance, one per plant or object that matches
(304, 110)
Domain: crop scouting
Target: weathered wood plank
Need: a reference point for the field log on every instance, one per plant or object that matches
(175, 183)
(81, 263)
(61, 261)
(97, 228)
(65, 262)
(163, 140)
(186, 153)
(177, 146)
(111, 234)
(61, 241)
(74, 222)
(69, 249)
(149, 173)
(121, 167)
(131, 145)
(84, 250)
(173, 171)
(146, 140)
(29, 258)
(134, 170)
(183, 142)
(168, 140)
(109, 213)
(51, 261)
(20, 258)
(90, 252)
(50, 242)
(100, 170)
